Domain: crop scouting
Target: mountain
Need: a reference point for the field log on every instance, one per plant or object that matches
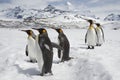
(47, 12)
(48, 16)
(15, 12)
(20, 13)
(112, 17)
(53, 10)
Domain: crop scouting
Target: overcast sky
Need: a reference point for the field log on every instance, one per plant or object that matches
(94, 5)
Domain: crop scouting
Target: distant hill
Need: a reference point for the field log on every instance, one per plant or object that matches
(48, 12)
(112, 17)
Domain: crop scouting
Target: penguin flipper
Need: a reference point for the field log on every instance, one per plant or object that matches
(86, 38)
(56, 46)
(103, 34)
(97, 38)
(59, 53)
(26, 52)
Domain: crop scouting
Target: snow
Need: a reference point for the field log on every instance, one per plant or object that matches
(102, 63)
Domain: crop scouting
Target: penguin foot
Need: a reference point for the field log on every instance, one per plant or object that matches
(67, 59)
(33, 61)
(48, 74)
(70, 58)
(51, 73)
(41, 74)
(90, 47)
(98, 44)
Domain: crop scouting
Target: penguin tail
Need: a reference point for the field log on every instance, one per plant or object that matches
(69, 58)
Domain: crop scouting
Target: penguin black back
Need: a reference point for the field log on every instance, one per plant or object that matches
(100, 34)
(47, 50)
(64, 43)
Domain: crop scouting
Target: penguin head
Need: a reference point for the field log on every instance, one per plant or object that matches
(41, 30)
(90, 21)
(29, 32)
(98, 24)
(59, 30)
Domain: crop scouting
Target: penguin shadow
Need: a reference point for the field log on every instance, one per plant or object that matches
(30, 71)
(83, 46)
(59, 61)
(31, 61)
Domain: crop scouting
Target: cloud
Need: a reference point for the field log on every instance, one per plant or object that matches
(98, 6)
(27, 3)
(94, 1)
(5, 1)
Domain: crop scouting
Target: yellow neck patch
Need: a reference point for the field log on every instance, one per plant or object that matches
(97, 28)
(29, 36)
(91, 27)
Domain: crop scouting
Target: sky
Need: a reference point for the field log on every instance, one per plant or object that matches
(93, 5)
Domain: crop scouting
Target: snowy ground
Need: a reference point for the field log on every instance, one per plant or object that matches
(102, 63)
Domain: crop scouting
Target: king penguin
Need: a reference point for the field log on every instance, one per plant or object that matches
(30, 47)
(90, 37)
(64, 44)
(44, 52)
(100, 34)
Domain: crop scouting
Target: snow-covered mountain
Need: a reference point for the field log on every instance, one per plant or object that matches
(112, 17)
(49, 11)
(19, 12)
(53, 10)
(49, 16)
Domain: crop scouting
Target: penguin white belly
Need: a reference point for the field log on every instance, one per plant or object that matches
(39, 55)
(100, 37)
(91, 37)
(31, 48)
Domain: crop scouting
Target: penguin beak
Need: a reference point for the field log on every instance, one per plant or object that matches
(88, 20)
(54, 28)
(57, 30)
(24, 30)
(35, 29)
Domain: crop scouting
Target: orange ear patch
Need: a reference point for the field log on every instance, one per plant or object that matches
(30, 32)
(44, 31)
(60, 30)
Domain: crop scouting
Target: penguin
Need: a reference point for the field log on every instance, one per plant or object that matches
(65, 45)
(44, 52)
(30, 47)
(90, 37)
(100, 34)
